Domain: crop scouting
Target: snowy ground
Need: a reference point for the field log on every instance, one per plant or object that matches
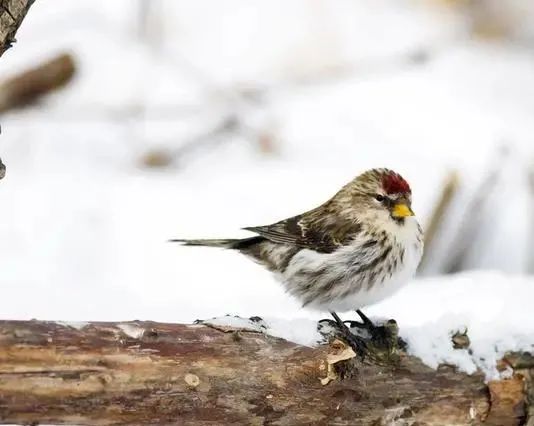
(83, 227)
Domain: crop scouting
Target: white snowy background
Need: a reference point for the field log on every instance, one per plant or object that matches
(335, 87)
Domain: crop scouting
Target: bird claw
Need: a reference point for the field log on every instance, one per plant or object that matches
(328, 327)
(357, 343)
(377, 341)
(385, 335)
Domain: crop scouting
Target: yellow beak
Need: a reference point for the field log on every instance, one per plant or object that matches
(402, 210)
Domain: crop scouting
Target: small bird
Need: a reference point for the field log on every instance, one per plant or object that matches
(356, 249)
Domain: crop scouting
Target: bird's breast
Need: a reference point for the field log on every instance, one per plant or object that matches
(357, 274)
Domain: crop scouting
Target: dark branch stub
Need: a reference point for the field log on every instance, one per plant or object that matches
(2, 169)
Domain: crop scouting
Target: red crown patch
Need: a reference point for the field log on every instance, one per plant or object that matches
(395, 184)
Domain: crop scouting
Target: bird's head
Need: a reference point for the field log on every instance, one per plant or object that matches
(381, 193)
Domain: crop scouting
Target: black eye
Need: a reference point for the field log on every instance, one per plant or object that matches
(379, 197)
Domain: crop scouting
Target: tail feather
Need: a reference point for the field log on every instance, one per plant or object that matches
(221, 243)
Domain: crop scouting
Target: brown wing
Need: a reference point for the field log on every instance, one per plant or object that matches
(313, 230)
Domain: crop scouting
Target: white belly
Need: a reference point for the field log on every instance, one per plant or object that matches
(377, 292)
(331, 281)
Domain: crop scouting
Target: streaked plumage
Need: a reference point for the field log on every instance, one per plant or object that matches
(354, 250)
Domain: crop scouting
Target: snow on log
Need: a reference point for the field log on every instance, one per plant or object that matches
(155, 373)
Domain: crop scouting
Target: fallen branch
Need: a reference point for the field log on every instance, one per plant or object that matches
(153, 373)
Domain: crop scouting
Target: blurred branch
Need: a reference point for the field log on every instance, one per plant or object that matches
(2, 169)
(212, 137)
(29, 86)
(448, 192)
(12, 13)
(467, 231)
(150, 22)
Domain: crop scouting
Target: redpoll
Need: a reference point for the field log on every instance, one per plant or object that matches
(354, 250)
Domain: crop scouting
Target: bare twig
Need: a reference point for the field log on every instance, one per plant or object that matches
(166, 157)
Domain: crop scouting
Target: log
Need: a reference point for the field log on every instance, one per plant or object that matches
(12, 13)
(155, 373)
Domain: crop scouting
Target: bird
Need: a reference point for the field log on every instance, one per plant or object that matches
(357, 248)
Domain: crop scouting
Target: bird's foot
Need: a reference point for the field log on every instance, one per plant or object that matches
(339, 329)
(385, 335)
(329, 328)
(365, 325)
(379, 343)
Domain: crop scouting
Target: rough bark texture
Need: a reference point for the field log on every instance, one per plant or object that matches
(153, 373)
(12, 12)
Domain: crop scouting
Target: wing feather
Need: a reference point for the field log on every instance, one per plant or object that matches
(313, 230)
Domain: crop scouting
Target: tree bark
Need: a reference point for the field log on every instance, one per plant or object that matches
(154, 373)
(12, 13)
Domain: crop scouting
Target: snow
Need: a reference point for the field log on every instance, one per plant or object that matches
(489, 304)
(83, 226)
